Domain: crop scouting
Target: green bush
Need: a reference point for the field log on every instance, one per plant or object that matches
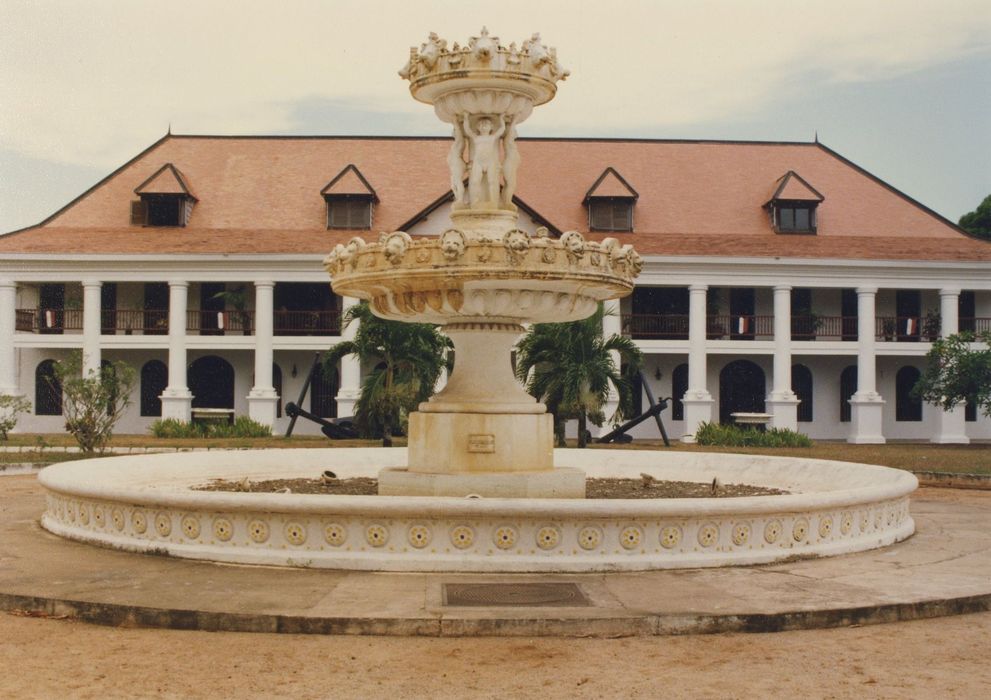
(242, 427)
(716, 434)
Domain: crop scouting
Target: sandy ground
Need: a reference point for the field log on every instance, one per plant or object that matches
(933, 659)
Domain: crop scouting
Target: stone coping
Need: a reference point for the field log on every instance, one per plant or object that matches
(145, 504)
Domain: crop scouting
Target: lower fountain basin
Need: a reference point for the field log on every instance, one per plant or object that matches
(144, 504)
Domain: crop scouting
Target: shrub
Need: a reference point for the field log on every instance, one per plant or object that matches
(93, 403)
(242, 427)
(716, 434)
(10, 407)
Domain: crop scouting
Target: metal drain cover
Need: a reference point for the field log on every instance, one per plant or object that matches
(514, 595)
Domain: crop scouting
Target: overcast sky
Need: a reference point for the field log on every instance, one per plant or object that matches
(901, 87)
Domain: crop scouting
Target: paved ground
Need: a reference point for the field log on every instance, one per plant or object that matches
(944, 569)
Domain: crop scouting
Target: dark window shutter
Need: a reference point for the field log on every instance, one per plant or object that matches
(137, 213)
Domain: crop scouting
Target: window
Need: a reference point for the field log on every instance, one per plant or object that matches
(154, 380)
(907, 406)
(679, 385)
(967, 307)
(610, 214)
(801, 384)
(349, 212)
(848, 386)
(795, 217)
(166, 199)
(47, 390)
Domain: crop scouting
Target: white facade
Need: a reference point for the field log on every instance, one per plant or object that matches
(774, 351)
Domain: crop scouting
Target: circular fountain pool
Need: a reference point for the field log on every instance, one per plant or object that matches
(146, 504)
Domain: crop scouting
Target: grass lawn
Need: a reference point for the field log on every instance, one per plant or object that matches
(962, 459)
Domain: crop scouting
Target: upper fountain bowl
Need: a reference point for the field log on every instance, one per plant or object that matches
(483, 77)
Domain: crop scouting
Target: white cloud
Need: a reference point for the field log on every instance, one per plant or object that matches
(91, 83)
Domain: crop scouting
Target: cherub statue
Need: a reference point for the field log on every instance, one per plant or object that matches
(510, 163)
(484, 161)
(456, 163)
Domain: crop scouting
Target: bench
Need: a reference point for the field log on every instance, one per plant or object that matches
(213, 415)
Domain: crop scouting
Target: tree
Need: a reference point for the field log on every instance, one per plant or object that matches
(978, 222)
(93, 403)
(956, 371)
(406, 361)
(10, 407)
(569, 367)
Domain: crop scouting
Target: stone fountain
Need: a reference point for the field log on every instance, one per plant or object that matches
(483, 278)
(482, 434)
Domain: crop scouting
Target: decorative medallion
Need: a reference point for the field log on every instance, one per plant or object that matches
(71, 512)
(741, 534)
(258, 531)
(708, 534)
(418, 536)
(84, 514)
(878, 519)
(335, 534)
(772, 531)
(191, 527)
(295, 533)
(630, 537)
(548, 537)
(825, 526)
(590, 537)
(99, 517)
(139, 521)
(505, 537)
(846, 524)
(223, 529)
(377, 535)
(800, 529)
(670, 536)
(462, 536)
(163, 524)
(864, 521)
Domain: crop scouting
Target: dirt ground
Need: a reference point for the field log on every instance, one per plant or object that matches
(645, 487)
(941, 658)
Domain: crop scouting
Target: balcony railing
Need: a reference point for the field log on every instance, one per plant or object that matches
(809, 327)
(156, 322)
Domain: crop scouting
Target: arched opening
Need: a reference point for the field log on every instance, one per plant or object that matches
(323, 394)
(848, 387)
(211, 379)
(154, 379)
(742, 387)
(907, 406)
(47, 390)
(679, 385)
(801, 384)
(277, 385)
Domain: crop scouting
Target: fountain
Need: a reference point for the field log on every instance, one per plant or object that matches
(481, 279)
(482, 435)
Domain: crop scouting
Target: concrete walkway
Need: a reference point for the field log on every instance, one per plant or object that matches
(944, 569)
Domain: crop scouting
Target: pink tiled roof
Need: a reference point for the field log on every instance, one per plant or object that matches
(263, 195)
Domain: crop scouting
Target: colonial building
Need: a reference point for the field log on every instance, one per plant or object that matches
(779, 277)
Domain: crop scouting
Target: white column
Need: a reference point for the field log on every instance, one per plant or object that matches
(866, 404)
(612, 324)
(91, 327)
(262, 399)
(697, 400)
(8, 324)
(350, 386)
(177, 400)
(782, 402)
(951, 425)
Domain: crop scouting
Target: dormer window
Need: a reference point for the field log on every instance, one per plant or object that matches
(350, 200)
(165, 199)
(794, 204)
(610, 201)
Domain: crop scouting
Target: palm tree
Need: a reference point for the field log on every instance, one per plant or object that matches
(406, 360)
(569, 367)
